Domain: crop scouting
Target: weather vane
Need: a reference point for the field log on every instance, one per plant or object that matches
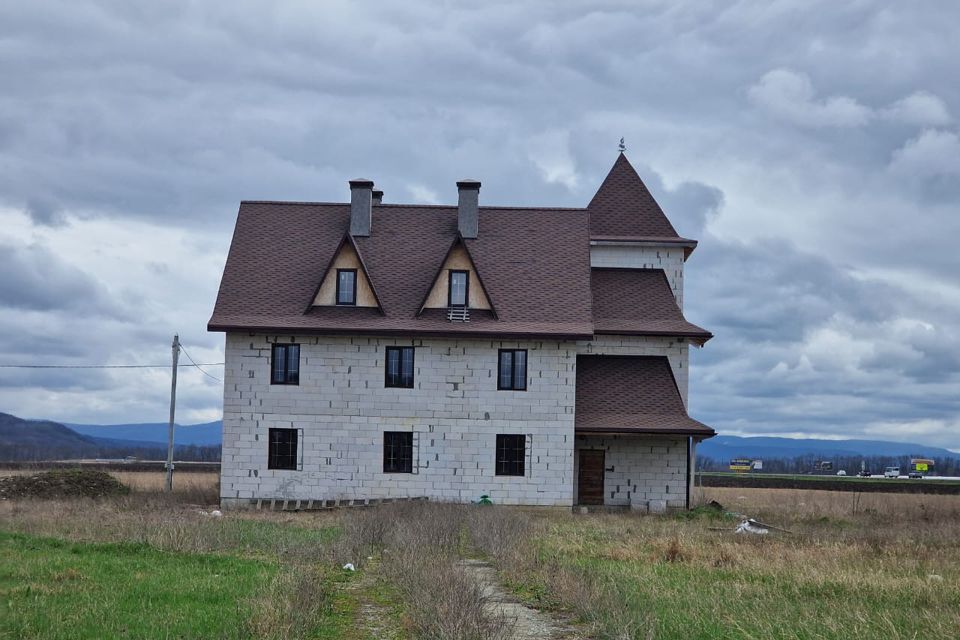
(623, 147)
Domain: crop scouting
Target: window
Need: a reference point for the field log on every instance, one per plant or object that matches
(286, 364)
(347, 286)
(511, 454)
(282, 449)
(399, 367)
(459, 290)
(512, 370)
(397, 452)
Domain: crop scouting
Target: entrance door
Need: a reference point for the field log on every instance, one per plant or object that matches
(590, 480)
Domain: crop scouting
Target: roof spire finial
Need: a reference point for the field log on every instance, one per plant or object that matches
(623, 147)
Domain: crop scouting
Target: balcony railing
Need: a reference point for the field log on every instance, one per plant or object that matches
(458, 313)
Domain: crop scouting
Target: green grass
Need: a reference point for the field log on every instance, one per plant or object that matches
(257, 537)
(694, 602)
(55, 589)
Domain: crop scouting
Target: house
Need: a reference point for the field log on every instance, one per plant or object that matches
(538, 356)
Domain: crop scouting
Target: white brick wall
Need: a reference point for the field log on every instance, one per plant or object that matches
(670, 259)
(677, 351)
(342, 408)
(454, 411)
(644, 468)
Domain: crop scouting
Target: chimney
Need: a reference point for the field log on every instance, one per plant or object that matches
(377, 196)
(468, 208)
(361, 202)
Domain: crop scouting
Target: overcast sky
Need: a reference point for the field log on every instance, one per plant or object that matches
(811, 147)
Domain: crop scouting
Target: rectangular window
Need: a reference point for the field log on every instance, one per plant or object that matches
(512, 370)
(459, 290)
(347, 286)
(399, 367)
(282, 449)
(511, 454)
(285, 366)
(397, 452)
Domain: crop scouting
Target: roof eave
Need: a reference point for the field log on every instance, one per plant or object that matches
(442, 333)
(646, 241)
(697, 336)
(703, 433)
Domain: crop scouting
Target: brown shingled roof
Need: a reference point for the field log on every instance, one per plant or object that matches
(535, 263)
(638, 302)
(623, 207)
(631, 394)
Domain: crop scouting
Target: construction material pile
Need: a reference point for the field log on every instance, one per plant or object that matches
(62, 483)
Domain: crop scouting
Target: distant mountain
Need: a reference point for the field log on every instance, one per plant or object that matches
(22, 439)
(724, 448)
(19, 437)
(155, 433)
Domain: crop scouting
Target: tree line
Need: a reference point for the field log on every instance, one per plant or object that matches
(36, 453)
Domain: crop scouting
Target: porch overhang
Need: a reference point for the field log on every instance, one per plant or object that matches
(631, 395)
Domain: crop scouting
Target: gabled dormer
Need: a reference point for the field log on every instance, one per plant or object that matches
(458, 287)
(346, 282)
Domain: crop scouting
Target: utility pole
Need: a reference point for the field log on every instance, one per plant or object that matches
(173, 409)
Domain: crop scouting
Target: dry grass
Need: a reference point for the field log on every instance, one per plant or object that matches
(870, 565)
(881, 566)
(195, 487)
(805, 504)
(419, 545)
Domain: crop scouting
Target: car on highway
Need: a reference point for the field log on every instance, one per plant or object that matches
(891, 472)
(841, 472)
(915, 475)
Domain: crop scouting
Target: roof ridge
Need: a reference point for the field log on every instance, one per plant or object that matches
(408, 206)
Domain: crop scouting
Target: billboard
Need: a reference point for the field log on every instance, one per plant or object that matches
(740, 464)
(921, 464)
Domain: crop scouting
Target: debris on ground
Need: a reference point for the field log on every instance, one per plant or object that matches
(749, 525)
(62, 483)
(349, 567)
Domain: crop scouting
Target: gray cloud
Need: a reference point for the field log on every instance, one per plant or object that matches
(36, 279)
(812, 148)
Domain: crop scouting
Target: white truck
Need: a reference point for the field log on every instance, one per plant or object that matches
(891, 472)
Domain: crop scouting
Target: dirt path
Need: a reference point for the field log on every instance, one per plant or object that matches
(373, 620)
(528, 624)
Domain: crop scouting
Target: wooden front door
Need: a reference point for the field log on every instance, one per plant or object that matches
(590, 480)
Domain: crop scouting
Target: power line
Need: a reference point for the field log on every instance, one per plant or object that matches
(108, 366)
(197, 365)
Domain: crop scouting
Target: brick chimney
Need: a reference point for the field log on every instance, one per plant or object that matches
(468, 208)
(361, 206)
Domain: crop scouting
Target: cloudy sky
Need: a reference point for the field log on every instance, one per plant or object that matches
(812, 147)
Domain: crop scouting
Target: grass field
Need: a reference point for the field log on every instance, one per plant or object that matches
(151, 566)
(50, 588)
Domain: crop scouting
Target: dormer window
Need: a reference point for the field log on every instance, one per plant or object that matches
(459, 289)
(347, 287)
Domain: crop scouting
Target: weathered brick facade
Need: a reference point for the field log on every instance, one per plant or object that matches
(454, 411)
(341, 409)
